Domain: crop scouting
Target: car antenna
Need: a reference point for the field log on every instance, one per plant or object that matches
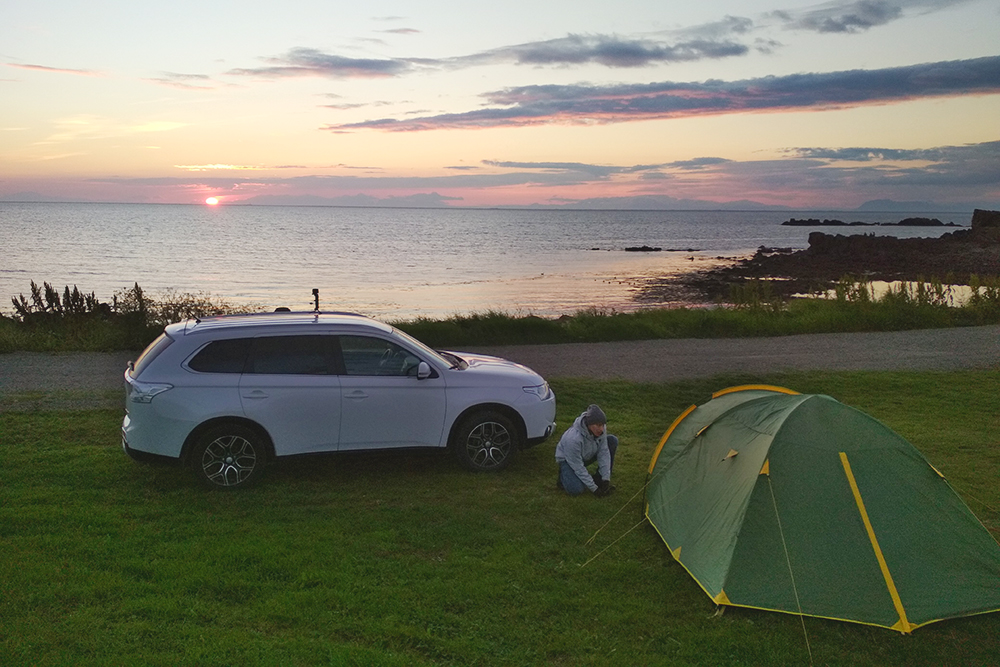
(316, 300)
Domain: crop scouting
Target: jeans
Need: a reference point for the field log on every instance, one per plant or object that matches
(572, 484)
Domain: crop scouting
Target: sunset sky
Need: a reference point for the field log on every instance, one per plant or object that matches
(518, 102)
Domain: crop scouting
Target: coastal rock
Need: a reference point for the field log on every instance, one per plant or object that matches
(906, 222)
(642, 248)
(814, 222)
(986, 225)
(954, 257)
(924, 222)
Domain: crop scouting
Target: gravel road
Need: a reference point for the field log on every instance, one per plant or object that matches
(86, 379)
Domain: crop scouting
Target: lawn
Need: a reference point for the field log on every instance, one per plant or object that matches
(405, 559)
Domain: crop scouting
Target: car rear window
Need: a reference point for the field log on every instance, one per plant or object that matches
(152, 351)
(292, 355)
(222, 356)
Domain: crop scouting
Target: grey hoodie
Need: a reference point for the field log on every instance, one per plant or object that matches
(578, 445)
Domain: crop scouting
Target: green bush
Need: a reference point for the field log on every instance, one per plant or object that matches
(49, 321)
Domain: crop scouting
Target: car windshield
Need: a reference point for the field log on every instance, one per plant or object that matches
(432, 354)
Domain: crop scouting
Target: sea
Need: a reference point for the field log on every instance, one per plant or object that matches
(394, 263)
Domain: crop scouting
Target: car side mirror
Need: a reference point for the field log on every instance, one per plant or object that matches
(423, 370)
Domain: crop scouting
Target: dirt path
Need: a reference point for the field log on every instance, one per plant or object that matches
(666, 360)
(31, 380)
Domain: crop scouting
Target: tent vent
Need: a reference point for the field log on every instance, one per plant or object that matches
(732, 454)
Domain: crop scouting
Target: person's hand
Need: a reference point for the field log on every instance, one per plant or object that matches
(604, 488)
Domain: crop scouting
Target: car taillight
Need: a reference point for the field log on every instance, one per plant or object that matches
(143, 392)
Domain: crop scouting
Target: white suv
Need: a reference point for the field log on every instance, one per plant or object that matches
(228, 394)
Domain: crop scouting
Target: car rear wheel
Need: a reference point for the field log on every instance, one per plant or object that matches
(229, 457)
(486, 441)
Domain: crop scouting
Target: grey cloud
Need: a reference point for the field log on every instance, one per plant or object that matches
(698, 163)
(600, 171)
(951, 173)
(853, 18)
(989, 151)
(597, 171)
(607, 50)
(185, 81)
(974, 164)
(312, 62)
(728, 25)
(857, 16)
(534, 105)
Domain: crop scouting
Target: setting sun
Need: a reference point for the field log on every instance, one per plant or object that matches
(211, 201)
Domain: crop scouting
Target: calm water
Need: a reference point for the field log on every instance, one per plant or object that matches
(389, 263)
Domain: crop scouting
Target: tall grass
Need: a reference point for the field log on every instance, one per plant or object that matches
(48, 322)
(755, 308)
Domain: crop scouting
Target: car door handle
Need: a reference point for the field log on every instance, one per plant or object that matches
(358, 394)
(256, 393)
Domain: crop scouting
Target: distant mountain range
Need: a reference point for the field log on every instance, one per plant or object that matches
(36, 198)
(637, 203)
(904, 206)
(426, 200)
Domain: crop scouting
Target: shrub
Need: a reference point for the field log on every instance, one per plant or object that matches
(48, 321)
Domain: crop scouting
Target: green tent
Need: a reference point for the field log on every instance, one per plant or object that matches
(797, 503)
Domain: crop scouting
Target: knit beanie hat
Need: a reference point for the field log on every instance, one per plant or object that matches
(594, 415)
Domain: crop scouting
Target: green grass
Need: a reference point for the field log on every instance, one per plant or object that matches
(404, 559)
(803, 316)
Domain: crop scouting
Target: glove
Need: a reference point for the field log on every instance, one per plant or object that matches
(604, 488)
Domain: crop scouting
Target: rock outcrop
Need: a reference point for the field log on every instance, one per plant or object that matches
(954, 256)
(986, 225)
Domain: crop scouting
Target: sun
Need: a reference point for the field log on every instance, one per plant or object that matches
(212, 201)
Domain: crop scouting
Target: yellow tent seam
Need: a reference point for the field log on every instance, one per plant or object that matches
(903, 625)
(751, 387)
(666, 435)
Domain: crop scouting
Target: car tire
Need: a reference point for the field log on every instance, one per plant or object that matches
(486, 441)
(229, 457)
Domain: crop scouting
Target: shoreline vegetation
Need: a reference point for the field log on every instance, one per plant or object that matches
(48, 320)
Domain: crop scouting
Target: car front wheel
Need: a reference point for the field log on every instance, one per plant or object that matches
(229, 457)
(486, 442)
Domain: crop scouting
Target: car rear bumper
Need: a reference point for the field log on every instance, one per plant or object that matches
(145, 457)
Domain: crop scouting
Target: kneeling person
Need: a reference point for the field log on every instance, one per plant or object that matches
(583, 443)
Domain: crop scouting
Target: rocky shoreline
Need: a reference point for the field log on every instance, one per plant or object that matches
(953, 258)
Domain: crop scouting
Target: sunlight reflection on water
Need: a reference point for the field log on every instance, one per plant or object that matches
(392, 263)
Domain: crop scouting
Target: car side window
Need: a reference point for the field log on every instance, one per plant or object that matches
(222, 356)
(366, 355)
(291, 355)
